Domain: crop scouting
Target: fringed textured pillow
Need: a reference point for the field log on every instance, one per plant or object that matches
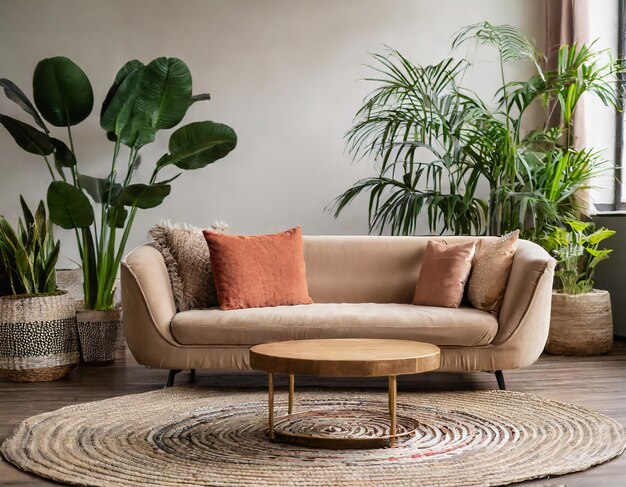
(490, 272)
(188, 263)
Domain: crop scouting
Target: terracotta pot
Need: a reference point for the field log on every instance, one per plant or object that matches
(37, 337)
(99, 333)
(580, 324)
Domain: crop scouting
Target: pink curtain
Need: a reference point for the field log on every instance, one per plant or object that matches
(566, 22)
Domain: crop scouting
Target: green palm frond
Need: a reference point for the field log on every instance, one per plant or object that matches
(512, 44)
(467, 167)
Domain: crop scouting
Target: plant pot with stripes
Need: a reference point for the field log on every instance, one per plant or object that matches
(38, 340)
(99, 333)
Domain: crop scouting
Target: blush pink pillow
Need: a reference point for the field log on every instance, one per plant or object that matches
(258, 271)
(444, 272)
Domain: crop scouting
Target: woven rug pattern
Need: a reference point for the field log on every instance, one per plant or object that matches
(195, 436)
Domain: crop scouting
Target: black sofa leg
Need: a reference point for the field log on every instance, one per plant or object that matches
(500, 379)
(170, 377)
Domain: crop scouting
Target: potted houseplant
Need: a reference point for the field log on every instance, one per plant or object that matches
(439, 145)
(581, 322)
(37, 323)
(143, 99)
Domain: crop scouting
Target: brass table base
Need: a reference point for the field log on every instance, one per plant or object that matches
(319, 440)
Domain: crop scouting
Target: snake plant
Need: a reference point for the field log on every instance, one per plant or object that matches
(28, 255)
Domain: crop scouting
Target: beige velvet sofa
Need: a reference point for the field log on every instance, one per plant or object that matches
(362, 287)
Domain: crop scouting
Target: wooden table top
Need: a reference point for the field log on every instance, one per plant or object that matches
(345, 357)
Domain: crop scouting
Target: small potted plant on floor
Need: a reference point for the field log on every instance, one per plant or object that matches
(581, 322)
(143, 99)
(37, 322)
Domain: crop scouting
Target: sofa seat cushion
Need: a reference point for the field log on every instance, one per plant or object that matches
(441, 326)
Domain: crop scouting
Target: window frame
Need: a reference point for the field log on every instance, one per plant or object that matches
(620, 122)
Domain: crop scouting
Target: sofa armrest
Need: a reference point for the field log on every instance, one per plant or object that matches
(528, 296)
(147, 299)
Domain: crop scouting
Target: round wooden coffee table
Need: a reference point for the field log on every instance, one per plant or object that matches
(341, 357)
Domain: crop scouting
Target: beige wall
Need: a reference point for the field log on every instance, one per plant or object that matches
(284, 73)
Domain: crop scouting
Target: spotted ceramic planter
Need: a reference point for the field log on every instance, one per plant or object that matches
(38, 340)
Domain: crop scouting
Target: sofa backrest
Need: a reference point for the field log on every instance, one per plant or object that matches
(366, 269)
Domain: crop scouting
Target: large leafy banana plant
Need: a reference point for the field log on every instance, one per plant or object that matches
(143, 99)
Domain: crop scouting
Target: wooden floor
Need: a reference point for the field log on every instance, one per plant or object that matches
(594, 382)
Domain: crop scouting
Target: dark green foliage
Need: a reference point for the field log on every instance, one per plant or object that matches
(142, 100)
(29, 255)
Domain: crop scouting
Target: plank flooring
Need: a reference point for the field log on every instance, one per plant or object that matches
(594, 382)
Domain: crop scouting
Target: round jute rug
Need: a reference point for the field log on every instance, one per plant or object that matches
(195, 436)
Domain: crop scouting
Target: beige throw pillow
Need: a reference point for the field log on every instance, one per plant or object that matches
(490, 272)
(188, 263)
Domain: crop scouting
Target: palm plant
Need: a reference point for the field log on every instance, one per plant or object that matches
(142, 100)
(29, 255)
(439, 143)
(414, 122)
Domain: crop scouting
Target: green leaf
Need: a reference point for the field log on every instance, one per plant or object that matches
(98, 188)
(197, 144)
(29, 219)
(28, 138)
(119, 96)
(69, 206)
(144, 195)
(19, 257)
(578, 226)
(116, 216)
(165, 92)
(600, 235)
(62, 91)
(16, 95)
(598, 252)
(122, 118)
(63, 156)
(126, 70)
(134, 129)
(41, 223)
(49, 268)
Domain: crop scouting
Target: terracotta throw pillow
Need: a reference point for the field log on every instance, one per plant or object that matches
(444, 271)
(188, 263)
(490, 272)
(258, 271)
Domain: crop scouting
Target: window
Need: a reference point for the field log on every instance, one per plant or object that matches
(620, 152)
(604, 129)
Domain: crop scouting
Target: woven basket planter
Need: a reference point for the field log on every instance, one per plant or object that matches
(580, 324)
(37, 337)
(99, 333)
(72, 281)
